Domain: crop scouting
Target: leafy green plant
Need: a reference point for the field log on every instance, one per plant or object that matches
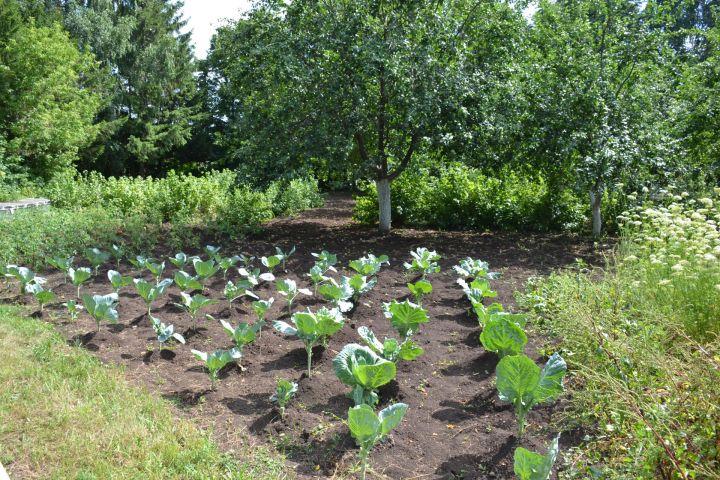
(503, 335)
(325, 261)
(260, 307)
(312, 328)
(42, 295)
(117, 252)
(62, 263)
(165, 332)
(155, 269)
(317, 276)
(101, 307)
(234, 291)
(24, 276)
(289, 289)
(284, 392)
(405, 317)
(363, 370)
(79, 276)
(484, 313)
(212, 251)
(340, 295)
(205, 269)
(186, 282)
(360, 284)
(149, 292)
(181, 260)
(139, 261)
(522, 383)
(215, 361)
(369, 265)
(390, 349)
(225, 263)
(96, 257)
(118, 281)
(529, 465)
(424, 262)
(419, 289)
(470, 268)
(246, 260)
(477, 290)
(255, 277)
(243, 334)
(193, 305)
(271, 262)
(368, 428)
(284, 256)
(73, 309)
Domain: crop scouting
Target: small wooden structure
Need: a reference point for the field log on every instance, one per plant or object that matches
(11, 207)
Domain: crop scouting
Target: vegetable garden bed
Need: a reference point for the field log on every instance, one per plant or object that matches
(455, 427)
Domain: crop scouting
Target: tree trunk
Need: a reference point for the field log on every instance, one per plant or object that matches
(595, 200)
(383, 190)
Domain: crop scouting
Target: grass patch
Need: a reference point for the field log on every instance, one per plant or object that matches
(63, 414)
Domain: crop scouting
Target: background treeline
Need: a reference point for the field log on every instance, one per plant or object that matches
(575, 102)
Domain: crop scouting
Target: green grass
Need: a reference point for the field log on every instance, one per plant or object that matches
(65, 415)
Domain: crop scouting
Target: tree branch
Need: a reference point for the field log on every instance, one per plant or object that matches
(408, 156)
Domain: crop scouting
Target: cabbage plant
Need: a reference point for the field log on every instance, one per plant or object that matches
(165, 332)
(484, 312)
(156, 269)
(117, 252)
(360, 284)
(288, 288)
(284, 256)
(73, 309)
(364, 371)
(97, 258)
(255, 277)
(325, 261)
(205, 269)
(193, 304)
(79, 276)
(522, 383)
(470, 268)
(101, 307)
(284, 392)
(419, 289)
(234, 291)
(369, 265)
(424, 262)
(25, 277)
(405, 317)
(149, 292)
(271, 262)
(215, 362)
(42, 296)
(260, 307)
(503, 335)
(118, 281)
(391, 349)
(225, 263)
(63, 264)
(340, 295)
(139, 261)
(181, 260)
(212, 251)
(186, 282)
(478, 290)
(243, 334)
(312, 328)
(368, 428)
(529, 465)
(317, 276)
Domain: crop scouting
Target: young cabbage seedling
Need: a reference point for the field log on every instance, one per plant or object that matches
(391, 349)
(360, 284)
(181, 260)
(424, 262)
(503, 336)
(63, 264)
(260, 307)
(367, 428)
(369, 265)
(529, 465)
(419, 289)
(193, 304)
(477, 290)
(42, 295)
(150, 292)
(317, 277)
(155, 269)
(339, 295)
(246, 260)
(96, 257)
(405, 317)
(284, 392)
(25, 277)
(186, 282)
(283, 256)
(73, 309)
(484, 313)
(474, 269)
(118, 281)
(241, 289)
(312, 328)
(243, 334)
(363, 370)
(325, 261)
(522, 383)
(212, 251)
(79, 276)
(139, 261)
(271, 262)
(289, 289)
(117, 252)
(165, 332)
(205, 269)
(255, 277)
(101, 307)
(227, 262)
(215, 362)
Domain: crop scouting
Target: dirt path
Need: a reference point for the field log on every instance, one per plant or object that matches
(456, 426)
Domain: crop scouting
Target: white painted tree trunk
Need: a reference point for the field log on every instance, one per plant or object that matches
(384, 204)
(595, 201)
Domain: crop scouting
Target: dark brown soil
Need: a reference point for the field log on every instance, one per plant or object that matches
(456, 426)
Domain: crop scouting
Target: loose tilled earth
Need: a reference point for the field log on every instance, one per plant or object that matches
(456, 426)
